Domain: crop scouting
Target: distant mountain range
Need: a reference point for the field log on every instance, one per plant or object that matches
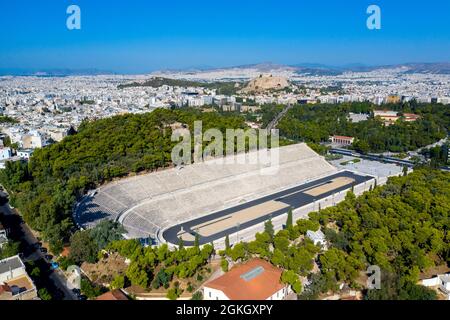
(301, 68)
(53, 72)
(321, 69)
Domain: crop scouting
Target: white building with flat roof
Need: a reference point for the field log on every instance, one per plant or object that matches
(441, 282)
(5, 153)
(317, 237)
(15, 284)
(25, 153)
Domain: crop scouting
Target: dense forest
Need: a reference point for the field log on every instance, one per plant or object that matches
(222, 87)
(316, 123)
(45, 189)
(402, 227)
(153, 268)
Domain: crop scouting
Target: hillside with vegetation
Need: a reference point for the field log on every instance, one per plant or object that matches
(316, 123)
(225, 88)
(45, 189)
(402, 227)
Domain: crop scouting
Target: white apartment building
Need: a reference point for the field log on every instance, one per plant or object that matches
(5, 153)
(25, 153)
(32, 140)
(441, 282)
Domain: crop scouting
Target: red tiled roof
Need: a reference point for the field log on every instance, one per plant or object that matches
(260, 287)
(113, 295)
(342, 137)
(66, 252)
(411, 115)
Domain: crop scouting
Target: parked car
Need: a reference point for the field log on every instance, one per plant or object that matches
(43, 250)
(76, 292)
(54, 265)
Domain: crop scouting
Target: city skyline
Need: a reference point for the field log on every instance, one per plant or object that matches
(143, 37)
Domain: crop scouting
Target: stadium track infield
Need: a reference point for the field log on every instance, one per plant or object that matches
(217, 225)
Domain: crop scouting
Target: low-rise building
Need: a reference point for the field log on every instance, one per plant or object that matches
(410, 117)
(387, 116)
(3, 236)
(256, 279)
(15, 284)
(358, 117)
(114, 295)
(390, 117)
(32, 140)
(317, 237)
(342, 140)
(25, 153)
(5, 153)
(440, 282)
(393, 99)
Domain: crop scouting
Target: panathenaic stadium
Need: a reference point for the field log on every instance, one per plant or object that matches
(214, 200)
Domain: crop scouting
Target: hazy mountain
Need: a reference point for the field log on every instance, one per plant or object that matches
(320, 69)
(432, 68)
(264, 67)
(53, 72)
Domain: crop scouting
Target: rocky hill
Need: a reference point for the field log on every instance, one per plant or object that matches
(266, 83)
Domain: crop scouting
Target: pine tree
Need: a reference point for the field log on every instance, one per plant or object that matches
(227, 243)
(289, 219)
(268, 227)
(180, 243)
(405, 171)
(197, 240)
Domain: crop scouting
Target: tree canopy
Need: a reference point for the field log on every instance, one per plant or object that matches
(45, 189)
(401, 227)
(316, 123)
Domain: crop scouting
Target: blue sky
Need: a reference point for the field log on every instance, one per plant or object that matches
(144, 35)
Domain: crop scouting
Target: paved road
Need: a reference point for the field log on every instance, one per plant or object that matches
(273, 124)
(295, 197)
(374, 157)
(436, 144)
(33, 254)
